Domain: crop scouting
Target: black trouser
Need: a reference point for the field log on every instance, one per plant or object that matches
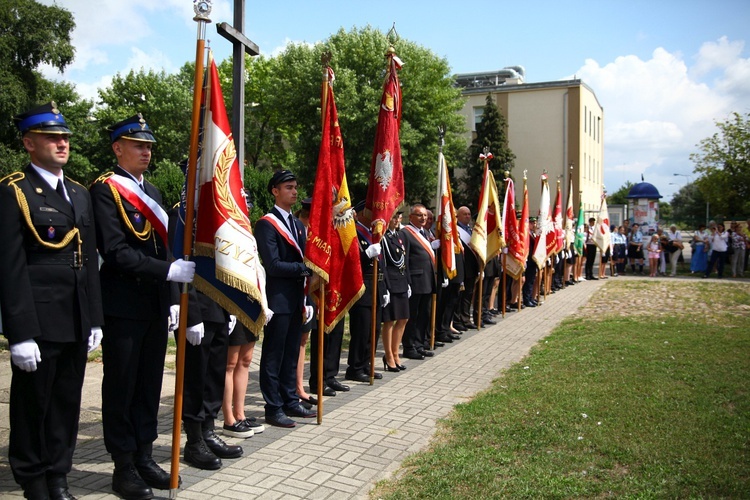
(44, 411)
(448, 299)
(530, 275)
(205, 372)
(360, 330)
(331, 354)
(590, 259)
(133, 356)
(278, 361)
(415, 333)
(463, 309)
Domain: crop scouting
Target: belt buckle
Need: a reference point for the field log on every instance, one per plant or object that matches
(77, 260)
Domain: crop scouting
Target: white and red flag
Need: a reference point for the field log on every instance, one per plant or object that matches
(545, 230)
(557, 221)
(228, 268)
(446, 229)
(602, 236)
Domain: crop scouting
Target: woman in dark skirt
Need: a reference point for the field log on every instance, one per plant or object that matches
(396, 278)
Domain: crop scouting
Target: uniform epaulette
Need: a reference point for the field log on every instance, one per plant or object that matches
(12, 178)
(176, 205)
(75, 182)
(103, 177)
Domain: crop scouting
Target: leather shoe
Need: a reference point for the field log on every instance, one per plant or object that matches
(199, 456)
(377, 376)
(443, 338)
(426, 353)
(528, 303)
(128, 484)
(440, 343)
(219, 447)
(488, 321)
(57, 485)
(471, 326)
(280, 420)
(300, 411)
(460, 327)
(327, 391)
(337, 386)
(358, 377)
(152, 474)
(413, 355)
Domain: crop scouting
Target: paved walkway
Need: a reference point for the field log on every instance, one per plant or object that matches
(365, 434)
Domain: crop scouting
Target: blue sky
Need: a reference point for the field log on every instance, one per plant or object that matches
(663, 70)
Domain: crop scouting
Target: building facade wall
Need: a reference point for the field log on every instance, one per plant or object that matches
(550, 126)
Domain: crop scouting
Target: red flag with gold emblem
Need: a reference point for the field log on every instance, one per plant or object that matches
(332, 250)
(385, 190)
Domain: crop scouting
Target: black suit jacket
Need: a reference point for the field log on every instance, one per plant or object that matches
(42, 295)
(421, 269)
(134, 272)
(285, 271)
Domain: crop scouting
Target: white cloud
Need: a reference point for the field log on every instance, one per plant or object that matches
(657, 110)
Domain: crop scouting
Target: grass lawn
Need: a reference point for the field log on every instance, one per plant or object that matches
(645, 395)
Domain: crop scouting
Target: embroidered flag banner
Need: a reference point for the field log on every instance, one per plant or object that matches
(446, 228)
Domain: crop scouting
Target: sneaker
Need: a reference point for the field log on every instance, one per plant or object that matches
(252, 422)
(239, 429)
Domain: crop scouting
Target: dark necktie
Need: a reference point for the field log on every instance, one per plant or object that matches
(292, 227)
(61, 190)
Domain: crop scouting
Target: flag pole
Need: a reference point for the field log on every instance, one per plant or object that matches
(438, 196)
(202, 11)
(325, 60)
(321, 336)
(373, 319)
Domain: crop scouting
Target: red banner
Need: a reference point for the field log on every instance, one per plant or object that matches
(332, 250)
(385, 190)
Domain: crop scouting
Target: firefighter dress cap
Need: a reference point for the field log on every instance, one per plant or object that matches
(134, 128)
(44, 119)
(280, 177)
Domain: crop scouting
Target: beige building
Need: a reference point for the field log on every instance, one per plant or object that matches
(551, 125)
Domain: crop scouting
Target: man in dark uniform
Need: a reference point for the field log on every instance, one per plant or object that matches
(207, 336)
(447, 299)
(462, 317)
(51, 303)
(421, 264)
(532, 269)
(281, 244)
(136, 293)
(360, 315)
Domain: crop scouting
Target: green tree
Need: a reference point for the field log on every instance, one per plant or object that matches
(492, 133)
(689, 206)
(724, 167)
(620, 197)
(429, 100)
(31, 34)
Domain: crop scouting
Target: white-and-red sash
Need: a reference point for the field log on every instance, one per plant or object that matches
(283, 230)
(422, 241)
(132, 192)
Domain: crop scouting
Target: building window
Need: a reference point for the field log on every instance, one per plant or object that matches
(478, 114)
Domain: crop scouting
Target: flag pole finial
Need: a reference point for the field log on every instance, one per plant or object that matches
(392, 37)
(202, 9)
(441, 137)
(524, 174)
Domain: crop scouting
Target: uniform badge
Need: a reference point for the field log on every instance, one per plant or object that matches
(39, 190)
(51, 232)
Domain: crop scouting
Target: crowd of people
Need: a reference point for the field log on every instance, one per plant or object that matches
(84, 267)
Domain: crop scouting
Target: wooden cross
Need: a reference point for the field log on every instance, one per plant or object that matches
(240, 44)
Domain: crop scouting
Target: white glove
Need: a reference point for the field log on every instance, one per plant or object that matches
(95, 338)
(194, 334)
(181, 271)
(435, 244)
(386, 298)
(505, 249)
(408, 292)
(373, 250)
(25, 355)
(232, 323)
(309, 313)
(269, 315)
(174, 317)
(445, 283)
